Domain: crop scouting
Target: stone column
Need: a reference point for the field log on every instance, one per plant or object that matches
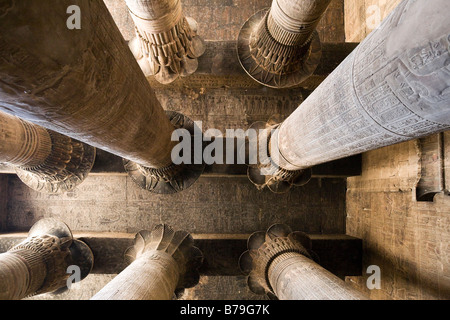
(40, 263)
(280, 47)
(280, 263)
(44, 160)
(166, 43)
(163, 264)
(394, 87)
(85, 83)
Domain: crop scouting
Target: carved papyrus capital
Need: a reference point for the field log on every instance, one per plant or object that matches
(166, 44)
(39, 263)
(67, 165)
(179, 245)
(162, 263)
(264, 248)
(281, 264)
(44, 160)
(171, 178)
(268, 171)
(279, 47)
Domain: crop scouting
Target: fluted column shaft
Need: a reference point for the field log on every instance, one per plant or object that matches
(153, 276)
(296, 277)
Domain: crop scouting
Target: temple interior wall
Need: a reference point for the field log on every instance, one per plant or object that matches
(407, 239)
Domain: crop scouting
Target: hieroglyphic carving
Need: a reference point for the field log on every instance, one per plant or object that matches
(116, 96)
(375, 98)
(219, 68)
(230, 108)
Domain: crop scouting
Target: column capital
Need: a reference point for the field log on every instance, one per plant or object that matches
(44, 160)
(279, 46)
(264, 248)
(67, 165)
(269, 170)
(166, 45)
(87, 85)
(39, 264)
(162, 242)
(172, 178)
(394, 87)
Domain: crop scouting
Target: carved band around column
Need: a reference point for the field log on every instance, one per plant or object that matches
(277, 50)
(39, 263)
(36, 144)
(166, 43)
(44, 160)
(179, 245)
(392, 88)
(267, 172)
(264, 248)
(281, 264)
(67, 165)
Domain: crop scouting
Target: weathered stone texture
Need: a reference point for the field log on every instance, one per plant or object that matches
(212, 205)
(408, 240)
(363, 16)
